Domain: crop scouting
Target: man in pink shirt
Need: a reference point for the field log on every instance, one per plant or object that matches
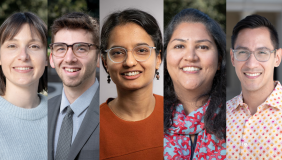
(254, 118)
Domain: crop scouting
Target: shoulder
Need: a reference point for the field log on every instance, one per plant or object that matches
(55, 99)
(159, 99)
(232, 103)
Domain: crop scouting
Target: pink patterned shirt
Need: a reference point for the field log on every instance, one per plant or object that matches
(258, 136)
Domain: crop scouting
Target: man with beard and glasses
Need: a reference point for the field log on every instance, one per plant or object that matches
(254, 118)
(73, 116)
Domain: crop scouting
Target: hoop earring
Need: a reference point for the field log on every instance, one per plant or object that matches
(157, 75)
(109, 78)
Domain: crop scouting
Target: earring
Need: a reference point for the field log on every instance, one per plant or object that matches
(157, 75)
(109, 78)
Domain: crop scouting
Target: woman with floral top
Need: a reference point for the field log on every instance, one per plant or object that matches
(194, 106)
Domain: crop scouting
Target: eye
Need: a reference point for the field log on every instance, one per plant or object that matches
(180, 46)
(34, 46)
(203, 47)
(12, 46)
(262, 52)
(242, 52)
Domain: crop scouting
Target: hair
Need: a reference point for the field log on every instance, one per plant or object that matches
(77, 20)
(252, 22)
(10, 28)
(141, 18)
(215, 115)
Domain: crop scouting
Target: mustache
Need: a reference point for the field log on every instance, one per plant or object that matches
(252, 70)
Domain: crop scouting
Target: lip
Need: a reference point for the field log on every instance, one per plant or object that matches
(23, 69)
(72, 71)
(252, 75)
(131, 77)
(190, 69)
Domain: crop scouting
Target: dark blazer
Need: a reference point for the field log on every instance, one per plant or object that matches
(86, 143)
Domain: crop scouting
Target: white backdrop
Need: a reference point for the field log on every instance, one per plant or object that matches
(153, 7)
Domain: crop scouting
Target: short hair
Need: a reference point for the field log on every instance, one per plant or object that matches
(213, 124)
(77, 20)
(141, 18)
(10, 28)
(252, 22)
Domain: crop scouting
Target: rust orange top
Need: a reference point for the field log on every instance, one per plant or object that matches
(122, 140)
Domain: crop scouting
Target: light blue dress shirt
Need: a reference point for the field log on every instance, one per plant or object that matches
(79, 107)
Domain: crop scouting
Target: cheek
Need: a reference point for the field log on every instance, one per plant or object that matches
(173, 60)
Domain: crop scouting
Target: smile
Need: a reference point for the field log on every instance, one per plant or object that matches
(72, 69)
(190, 69)
(131, 73)
(253, 74)
(23, 68)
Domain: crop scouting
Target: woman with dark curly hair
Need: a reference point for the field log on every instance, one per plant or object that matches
(194, 106)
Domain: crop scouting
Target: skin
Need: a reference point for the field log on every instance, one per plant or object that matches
(137, 92)
(191, 46)
(255, 89)
(75, 83)
(24, 50)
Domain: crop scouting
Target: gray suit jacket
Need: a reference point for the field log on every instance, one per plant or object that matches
(86, 143)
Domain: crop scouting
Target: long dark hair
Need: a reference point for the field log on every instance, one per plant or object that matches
(215, 116)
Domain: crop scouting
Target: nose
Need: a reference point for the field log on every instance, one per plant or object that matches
(69, 56)
(190, 54)
(252, 62)
(23, 55)
(129, 61)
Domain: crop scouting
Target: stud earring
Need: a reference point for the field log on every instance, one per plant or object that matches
(157, 75)
(109, 78)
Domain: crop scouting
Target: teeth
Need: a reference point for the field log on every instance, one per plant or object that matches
(71, 69)
(191, 69)
(22, 68)
(131, 73)
(255, 74)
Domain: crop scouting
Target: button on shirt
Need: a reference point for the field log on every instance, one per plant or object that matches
(257, 136)
(79, 107)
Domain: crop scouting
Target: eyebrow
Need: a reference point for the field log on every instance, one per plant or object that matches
(138, 44)
(198, 41)
(32, 40)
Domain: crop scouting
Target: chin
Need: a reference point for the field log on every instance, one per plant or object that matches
(72, 84)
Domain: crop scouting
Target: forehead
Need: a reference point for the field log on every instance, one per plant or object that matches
(129, 34)
(191, 31)
(254, 38)
(70, 36)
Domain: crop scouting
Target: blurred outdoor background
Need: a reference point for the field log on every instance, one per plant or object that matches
(237, 10)
(57, 8)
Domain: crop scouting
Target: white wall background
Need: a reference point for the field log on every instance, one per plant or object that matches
(153, 7)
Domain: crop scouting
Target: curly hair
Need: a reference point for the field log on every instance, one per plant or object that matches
(215, 116)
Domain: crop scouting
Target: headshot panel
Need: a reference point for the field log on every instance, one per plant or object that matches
(131, 53)
(254, 115)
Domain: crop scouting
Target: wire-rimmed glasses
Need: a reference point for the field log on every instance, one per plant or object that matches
(261, 55)
(140, 53)
(80, 49)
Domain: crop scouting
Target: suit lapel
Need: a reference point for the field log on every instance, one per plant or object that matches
(53, 112)
(88, 126)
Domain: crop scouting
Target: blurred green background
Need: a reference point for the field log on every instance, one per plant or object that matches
(216, 9)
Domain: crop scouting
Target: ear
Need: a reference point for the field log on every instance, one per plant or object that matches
(98, 60)
(159, 61)
(51, 60)
(105, 63)
(278, 57)
(232, 56)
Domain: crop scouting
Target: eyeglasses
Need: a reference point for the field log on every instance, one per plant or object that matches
(140, 53)
(80, 49)
(261, 55)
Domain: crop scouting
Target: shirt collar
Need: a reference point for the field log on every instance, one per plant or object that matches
(277, 91)
(82, 102)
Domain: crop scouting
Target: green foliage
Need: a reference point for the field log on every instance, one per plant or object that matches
(216, 9)
(8, 7)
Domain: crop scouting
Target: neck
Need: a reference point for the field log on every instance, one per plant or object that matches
(190, 98)
(134, 105)
(72, 93)
(255, 98)
(24, 97)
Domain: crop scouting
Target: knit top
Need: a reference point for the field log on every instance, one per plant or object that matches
(23, 132)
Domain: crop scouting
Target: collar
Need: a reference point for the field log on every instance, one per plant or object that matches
(82, 102)
(277, 91)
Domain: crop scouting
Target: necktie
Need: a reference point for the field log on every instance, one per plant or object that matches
(65, 136)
